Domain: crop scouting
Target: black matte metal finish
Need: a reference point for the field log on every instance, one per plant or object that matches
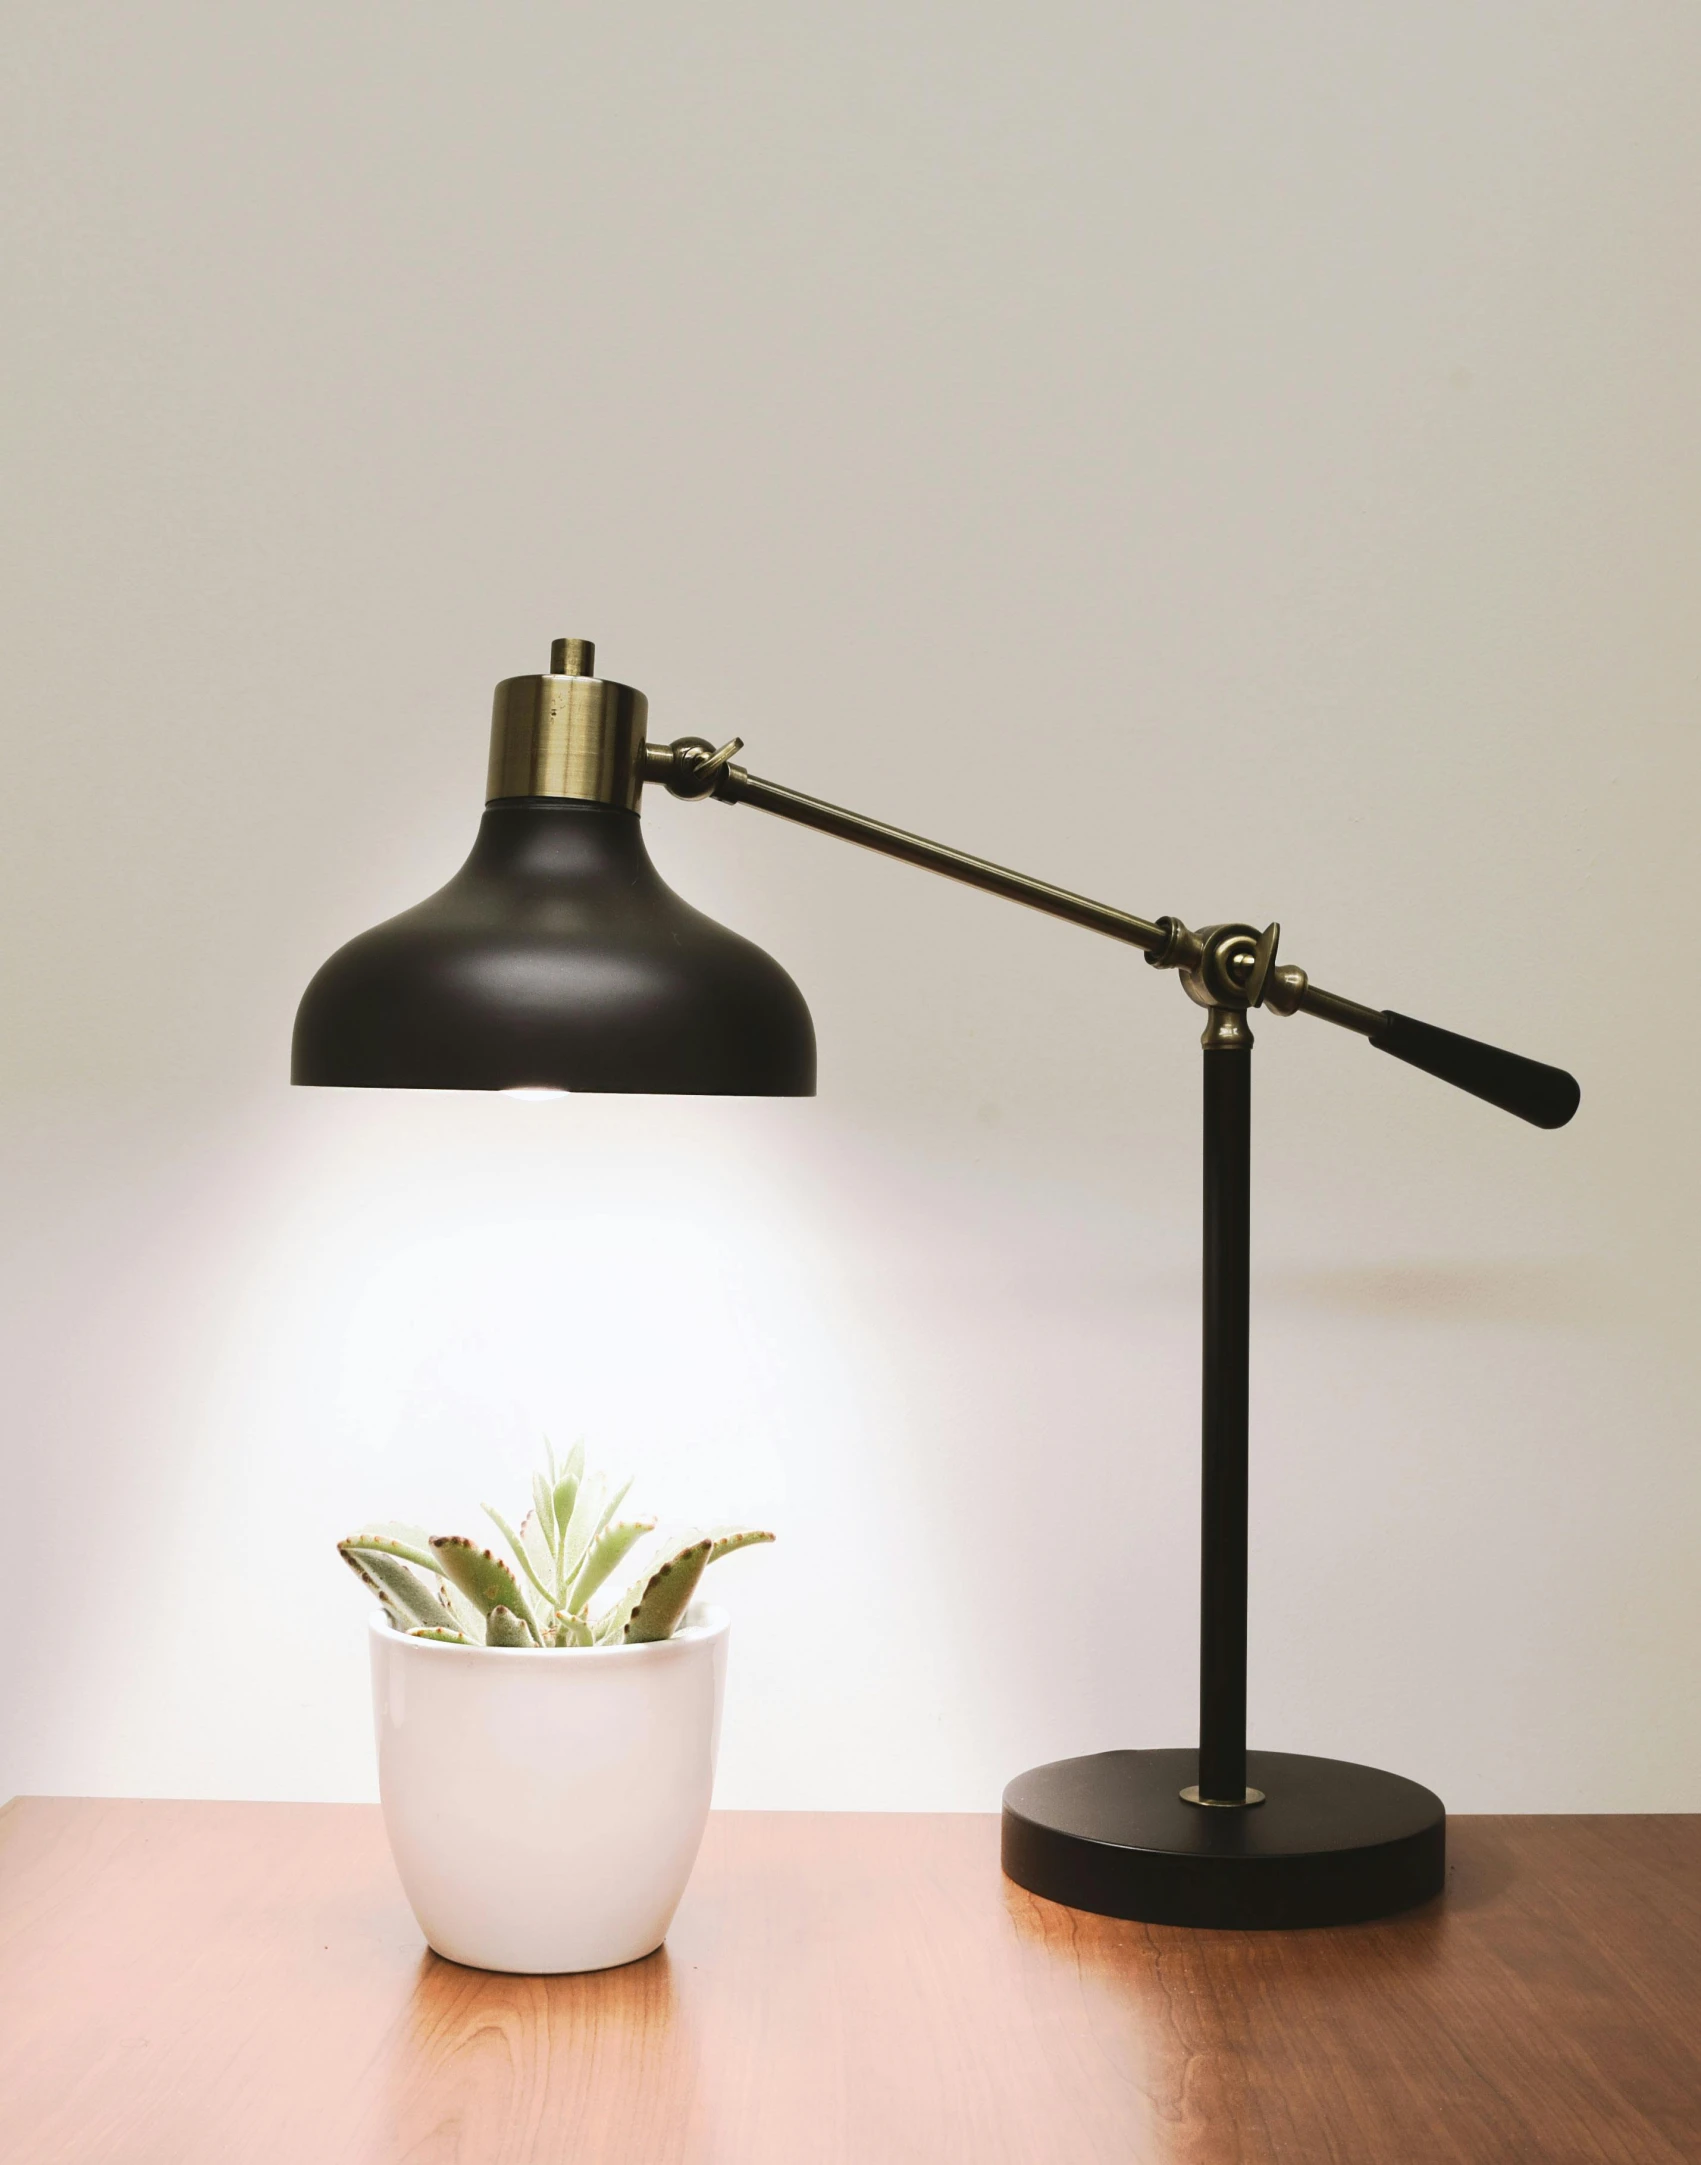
(556, 958)
(1335, 1844)
(1545, 1096)
(1223, 1398)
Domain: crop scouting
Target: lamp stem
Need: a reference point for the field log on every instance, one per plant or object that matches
(1222, 1576)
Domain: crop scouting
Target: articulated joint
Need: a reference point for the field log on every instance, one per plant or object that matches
(1230, 966)
(693, 767)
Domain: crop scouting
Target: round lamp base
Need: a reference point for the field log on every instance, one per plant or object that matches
(1332, 1843)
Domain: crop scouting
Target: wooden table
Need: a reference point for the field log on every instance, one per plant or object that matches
(229, 1983)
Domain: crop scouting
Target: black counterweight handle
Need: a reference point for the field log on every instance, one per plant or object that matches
(1545, 1095)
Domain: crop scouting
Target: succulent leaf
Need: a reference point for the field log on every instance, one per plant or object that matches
(541, 1557)
(483, 1577)
(445, 1637)
(467, 1620)
(605, 1517)
(503, 1628)
(582, 1526)
(543, 1505)
(401, 1592)
(665, 1595)
(567, 1489)
(734, 1537)
(411, 1543)
(521, 1554)
(607, 1550)
(592, 1518)
(571, 1630)
(358, 1567)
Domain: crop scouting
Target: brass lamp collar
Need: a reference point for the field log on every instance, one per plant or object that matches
(570, 734)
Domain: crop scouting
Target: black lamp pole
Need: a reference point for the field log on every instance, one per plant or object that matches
(1222, 1407)
(558, 958)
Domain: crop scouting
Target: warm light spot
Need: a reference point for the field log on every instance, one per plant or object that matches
(533, 1090)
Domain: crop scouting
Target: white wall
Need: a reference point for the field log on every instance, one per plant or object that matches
(1232, 460)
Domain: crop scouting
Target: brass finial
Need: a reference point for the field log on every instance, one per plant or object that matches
(573, 658)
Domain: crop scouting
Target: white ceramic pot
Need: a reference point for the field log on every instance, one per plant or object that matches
(545, 1809)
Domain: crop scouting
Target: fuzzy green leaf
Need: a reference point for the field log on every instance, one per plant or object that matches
(591, 1520)
(402, 1593)
(541, 1556)
(607, 1550)
(504, 1628)
(567, 1489)
(581, 1527)
(734, 1537)
(521, 1555)
(665, 1595)
(358, 1566)
(543, 1505)
(483, 1577)
(570, 1630)
(444, 1637)
(606, 1516)
(469, 1622)
(411, 1543)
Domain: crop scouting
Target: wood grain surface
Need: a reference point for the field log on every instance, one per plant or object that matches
(214, 1984)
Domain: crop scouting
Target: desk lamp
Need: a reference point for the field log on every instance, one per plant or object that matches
(556, 959)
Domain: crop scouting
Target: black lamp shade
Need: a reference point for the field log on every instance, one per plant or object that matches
(556, 958)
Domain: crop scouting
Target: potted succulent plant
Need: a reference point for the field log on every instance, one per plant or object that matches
(545, 1764)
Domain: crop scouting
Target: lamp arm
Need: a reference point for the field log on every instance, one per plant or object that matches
(735, 786)
(1220, 966)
